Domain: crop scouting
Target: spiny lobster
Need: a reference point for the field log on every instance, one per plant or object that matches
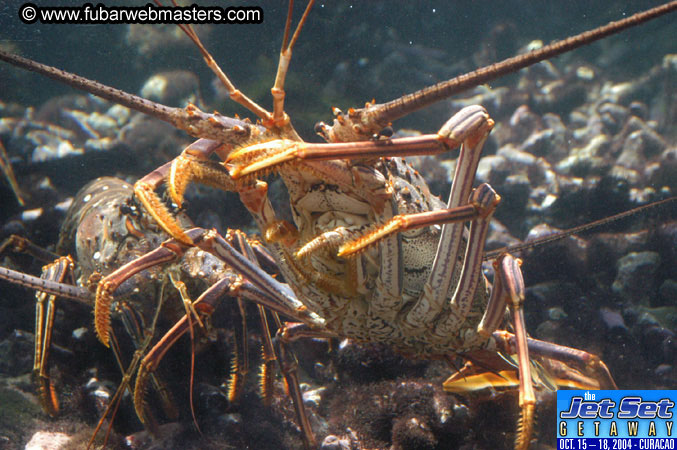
(334, 204)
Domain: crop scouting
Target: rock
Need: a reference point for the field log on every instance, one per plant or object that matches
(16, 353)
(635, 281)
(492, 169)
(175, 88)
(639, 146)
(664, 171)
(332, 442)
(587, 159)
(313, 397)
(612, 319)
(47, 440)
(523, 122)
(410, 433)
(668, 292)
(639, 109)
(613, 116)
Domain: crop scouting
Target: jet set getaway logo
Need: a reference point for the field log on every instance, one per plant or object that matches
(615, 420)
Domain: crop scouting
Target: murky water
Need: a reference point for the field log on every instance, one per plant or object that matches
(613, 295)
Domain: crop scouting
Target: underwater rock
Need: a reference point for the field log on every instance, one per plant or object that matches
(98, 395)
(409, 433)
(638, 147)
(210, 399)
(332, 442)
(668, 293)
(407, 413)
(541, 143)
(167, 437)
(16, 353)
(613, 319)
(373, 361)
(20, 415)
(492, 169)
(634, 281)
(312, 397)
(176, 88)
(159, 39)
(587, 159)
(613, 116)
(605, 247)
(667, 235)
(565, 257)
(523, 123)
(47, 440)
(661, 173)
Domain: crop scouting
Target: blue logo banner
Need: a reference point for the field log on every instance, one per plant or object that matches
(635, 419)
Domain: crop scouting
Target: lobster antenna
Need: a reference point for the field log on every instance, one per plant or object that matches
(412, 102)
(112, 94)
(279, 117)
(47, 286)
(576, 230)
(233, 92)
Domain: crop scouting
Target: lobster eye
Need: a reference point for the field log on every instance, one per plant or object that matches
(321, 129)
(387, 132)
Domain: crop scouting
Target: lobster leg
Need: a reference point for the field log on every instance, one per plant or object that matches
(286, 335)
(144, 189)
(205, 305)
(508, 289)
(597, 375)
(289, 367)
(502, 375)
(263, 288)
(288, 363)
(44, 322)
(53, 275)
(6, 168)
(284, 299)
(512, 288)
(240, 365)
(442, 274)
(168, 252)
(146, 418)
(135, 327)
(471, 271)
(255, 252)
(21, 244)
(470, 125)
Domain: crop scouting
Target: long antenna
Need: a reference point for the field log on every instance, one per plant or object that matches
(362, 123)
(576, 230)
(420, 99)
(50, 287)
